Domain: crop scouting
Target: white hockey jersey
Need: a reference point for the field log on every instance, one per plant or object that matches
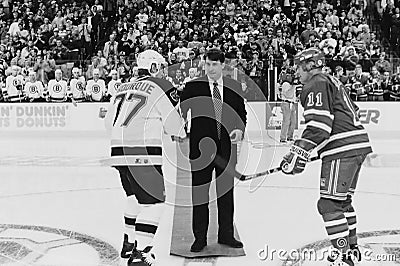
(113, 86)
(57, 90)
(78, 86)
(34, 90)
(14, 88)
(96, 89)
(138, 116)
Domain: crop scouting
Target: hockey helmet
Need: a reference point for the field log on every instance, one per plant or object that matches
(152, 61)
(310, 55)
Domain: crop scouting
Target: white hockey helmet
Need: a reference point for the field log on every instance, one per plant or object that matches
(152, 61)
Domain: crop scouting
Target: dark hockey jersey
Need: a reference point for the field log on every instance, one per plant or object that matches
(331, 119)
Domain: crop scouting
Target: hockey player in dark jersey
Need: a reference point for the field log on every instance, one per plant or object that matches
(335, 132)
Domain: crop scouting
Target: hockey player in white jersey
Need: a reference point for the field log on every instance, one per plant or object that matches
(77, 86)
(34, 89)
(96, 87)
(57, 88)
(14, 86)
(114, 84)
(138, 115)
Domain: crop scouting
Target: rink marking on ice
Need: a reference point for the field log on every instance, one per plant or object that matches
(373, 160)
(58, 191)
(118, 188)
(19, 244)
(65, 161)
(377, 247)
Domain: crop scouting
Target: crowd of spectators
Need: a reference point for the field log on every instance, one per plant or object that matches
(106, 36)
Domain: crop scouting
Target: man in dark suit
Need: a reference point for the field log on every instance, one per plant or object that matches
(218, 120)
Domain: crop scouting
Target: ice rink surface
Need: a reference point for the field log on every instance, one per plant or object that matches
(60, 206)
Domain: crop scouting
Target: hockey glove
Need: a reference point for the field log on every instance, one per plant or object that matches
(295, 161)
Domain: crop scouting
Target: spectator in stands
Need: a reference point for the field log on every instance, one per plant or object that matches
(15, 27)
(60, 52)
(191, 75)
(339, 74)
(59, 21)
(123, 66)
(395, 28)
(386, 85)
(382, 64)
(84, 31)
(53, 39)
(102, 59)
(125, 45)
(365, 62)
(178, 79)
(350, 58)
(305, 35)
(111, 47)
(181, 52)
(135, 74)
(240, 28)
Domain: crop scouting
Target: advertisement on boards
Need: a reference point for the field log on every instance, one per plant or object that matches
(274, 116)
(51, 117)
(374, 116)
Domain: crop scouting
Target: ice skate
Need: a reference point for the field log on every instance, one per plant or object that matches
(141, 258)
(127, 248)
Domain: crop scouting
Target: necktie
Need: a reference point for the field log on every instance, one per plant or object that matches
(217, 107)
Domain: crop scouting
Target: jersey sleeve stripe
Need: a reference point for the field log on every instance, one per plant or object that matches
(347, 134)
(343, 135)
(345, 141)
(318, 118)
(318, 112)
(310, 141)
(345, 148)
(319, 125)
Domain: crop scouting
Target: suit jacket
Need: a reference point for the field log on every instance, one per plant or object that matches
(110, 47)
(203, 133)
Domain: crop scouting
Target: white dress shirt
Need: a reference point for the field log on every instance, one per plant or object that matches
(220, 87)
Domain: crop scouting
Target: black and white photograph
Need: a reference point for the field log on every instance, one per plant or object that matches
(199, 133)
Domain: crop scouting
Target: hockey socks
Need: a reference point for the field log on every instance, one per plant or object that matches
(338, 230)
(147, 224)
(131, 212)
(352, 222)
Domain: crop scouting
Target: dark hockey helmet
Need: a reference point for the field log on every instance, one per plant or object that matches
(310, 55)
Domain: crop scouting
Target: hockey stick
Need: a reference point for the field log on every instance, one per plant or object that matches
(267, 172)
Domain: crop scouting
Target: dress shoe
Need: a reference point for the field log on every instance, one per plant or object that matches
(198, 245)
(230, 241)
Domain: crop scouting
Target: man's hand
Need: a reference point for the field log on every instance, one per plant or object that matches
(293, 164)
(295, 161)
(236, 136)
